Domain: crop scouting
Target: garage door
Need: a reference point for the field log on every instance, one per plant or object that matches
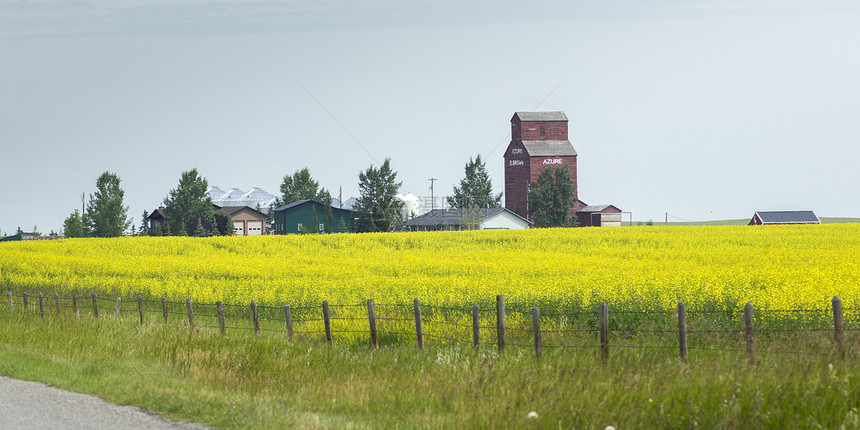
(255, 228)
(239, 228)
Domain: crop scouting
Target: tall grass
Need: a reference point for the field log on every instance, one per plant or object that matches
(240, 381)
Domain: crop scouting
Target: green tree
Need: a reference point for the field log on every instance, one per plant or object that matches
(329, 219)
(188, 203)
(73, 226)
(376, 207)
(315, 225)
(107, 216)
(144, 224)
(550, 199)
(302, 186)
(476, 189)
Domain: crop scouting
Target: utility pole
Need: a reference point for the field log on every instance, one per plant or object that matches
(432, 196)
(666, 223)
(82, 204)
(340, 196)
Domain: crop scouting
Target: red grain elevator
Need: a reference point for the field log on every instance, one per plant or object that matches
(539, 141)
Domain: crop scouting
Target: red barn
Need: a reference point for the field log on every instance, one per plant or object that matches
(538, 141)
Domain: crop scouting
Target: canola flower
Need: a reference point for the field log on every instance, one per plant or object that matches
(775, 267)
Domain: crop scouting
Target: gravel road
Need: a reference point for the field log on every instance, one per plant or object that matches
(31, 405)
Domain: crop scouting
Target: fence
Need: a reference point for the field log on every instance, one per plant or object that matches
(499, 327)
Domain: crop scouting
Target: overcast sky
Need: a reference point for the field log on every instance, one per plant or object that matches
(705, 110)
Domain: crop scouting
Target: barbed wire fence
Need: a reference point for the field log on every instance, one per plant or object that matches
(728, 330)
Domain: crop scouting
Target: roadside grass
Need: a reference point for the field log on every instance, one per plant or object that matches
(239, 381)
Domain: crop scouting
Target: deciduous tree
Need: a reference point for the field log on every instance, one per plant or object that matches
(550, 199)
(188, 203)
(302, 186)
(476, 189)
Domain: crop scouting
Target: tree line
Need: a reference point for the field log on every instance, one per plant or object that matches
(190, 211)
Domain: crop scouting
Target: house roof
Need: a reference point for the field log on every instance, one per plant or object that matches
(453, 217)
(599, 208)
(787, 217)
(158, 214)
(231, 210)
(540, 116)
(301, 202)
(549, 148)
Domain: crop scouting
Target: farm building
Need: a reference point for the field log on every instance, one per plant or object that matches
(468, 219)
(246, 221)
(298, 217)
(539, 140)
(784, 217)
(599, 216)
(257, 197)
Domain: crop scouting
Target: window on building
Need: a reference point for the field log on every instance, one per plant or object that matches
(299, 227)
(543, 131)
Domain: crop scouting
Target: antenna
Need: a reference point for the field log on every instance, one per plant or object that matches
(432, 197)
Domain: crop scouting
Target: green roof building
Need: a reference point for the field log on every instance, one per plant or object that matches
(298, 217)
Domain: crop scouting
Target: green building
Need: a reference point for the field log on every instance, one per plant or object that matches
(298, 217)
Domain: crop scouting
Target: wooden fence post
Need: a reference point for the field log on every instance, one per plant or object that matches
(500, 320)
(839, 331)
(57, 303)
(327, 322)
(750, 332)
(140, 308)
(221, 325)
(9, 296)
(419, 326)
(371, 319)
(476, 326)
(255, 318)
(603, 317)
(682, 331)
(288, 319)
(118, 302)
(164, 307)
(95, 305)
(75, 305)
(41, 306)
(190, 313)
(536, 331)
(25, 301)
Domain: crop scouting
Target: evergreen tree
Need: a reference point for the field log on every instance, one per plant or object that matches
(144, 224)
(550, 199)
(189, 203)
(315, 226)
(107, 216)
(376, 207)
(329, 221)
(476, 189)
(200, 231)
(73, 226)
(302, 186)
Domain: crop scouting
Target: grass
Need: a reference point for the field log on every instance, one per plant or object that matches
(239, 381)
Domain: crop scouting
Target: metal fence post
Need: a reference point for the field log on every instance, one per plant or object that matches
(536, 331)
(476, 326)
(327, 322)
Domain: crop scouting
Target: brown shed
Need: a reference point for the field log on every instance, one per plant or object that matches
(599, 216)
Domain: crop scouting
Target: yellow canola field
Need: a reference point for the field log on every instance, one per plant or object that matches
(775, 267)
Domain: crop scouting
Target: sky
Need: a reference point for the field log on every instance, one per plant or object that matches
(702, 110)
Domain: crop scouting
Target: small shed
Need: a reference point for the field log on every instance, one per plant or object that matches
(298, 217)
(599, 216)
(468, 219)
(784, 217)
